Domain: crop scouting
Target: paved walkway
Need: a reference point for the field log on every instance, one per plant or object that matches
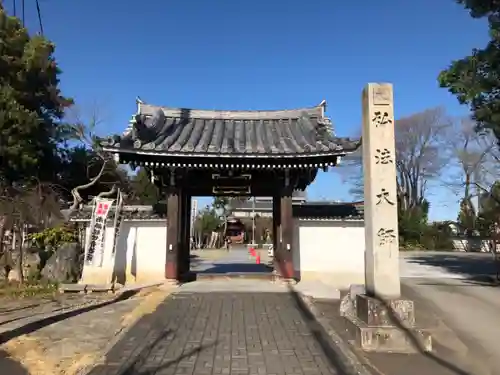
(446, 265)
(254, 333)
(471, 311)
(454, 286)
(237, 260)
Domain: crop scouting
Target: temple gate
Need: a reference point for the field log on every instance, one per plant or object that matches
(231, 153)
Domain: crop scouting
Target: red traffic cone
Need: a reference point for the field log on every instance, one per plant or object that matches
(252, 251)
(257, 259)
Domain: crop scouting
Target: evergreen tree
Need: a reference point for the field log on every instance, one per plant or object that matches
(145, 191)
(474, 79)
(31, 104)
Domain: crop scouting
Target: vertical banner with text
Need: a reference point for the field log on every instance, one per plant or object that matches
(118, 220)
(95, 250)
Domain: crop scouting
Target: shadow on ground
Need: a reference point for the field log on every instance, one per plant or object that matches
(438, 362)
(480, 268)
(8, 366)
(136, 367)
(44, 322)
(13, 309)
(446, 362)
(220, 266)
(334, 355)
(223, 268)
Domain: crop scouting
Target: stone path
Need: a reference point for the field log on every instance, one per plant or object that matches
(470, 310)
(237, 260)
(446, 265)
(411, 269)
(251, 333)
(16, 313)
(56, 337)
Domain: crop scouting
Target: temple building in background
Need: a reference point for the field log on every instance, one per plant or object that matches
(260, 206)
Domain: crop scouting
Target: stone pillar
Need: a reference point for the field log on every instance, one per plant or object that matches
(381, 216)
(173, 229)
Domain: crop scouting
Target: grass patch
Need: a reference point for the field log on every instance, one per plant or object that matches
(15, 289)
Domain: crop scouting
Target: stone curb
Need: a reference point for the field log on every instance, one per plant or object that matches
(340, 346)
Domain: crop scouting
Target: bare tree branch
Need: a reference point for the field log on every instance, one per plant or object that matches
(476, 162)
(420, 157)
(83, 131)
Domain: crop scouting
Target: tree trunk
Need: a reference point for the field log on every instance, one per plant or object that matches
(3, 255)
(20, 255)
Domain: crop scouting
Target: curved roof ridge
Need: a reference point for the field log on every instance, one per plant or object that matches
(150, 109)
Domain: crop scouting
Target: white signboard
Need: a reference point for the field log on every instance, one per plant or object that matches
(95, 249)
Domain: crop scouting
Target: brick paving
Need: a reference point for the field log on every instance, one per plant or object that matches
(221, 333)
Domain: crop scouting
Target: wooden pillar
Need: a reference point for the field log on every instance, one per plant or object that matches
(276, 232)
(286, 251)
(185, 216)
(173, 232)
(182, 233)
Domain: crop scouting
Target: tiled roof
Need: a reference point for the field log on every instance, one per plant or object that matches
(249, 205)
(329, 210)
(326, 210)
(157, 212)
(306, 210)
(161, 130)
(263, 204)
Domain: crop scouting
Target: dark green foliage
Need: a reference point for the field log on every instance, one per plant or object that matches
(221, 204)
(488, 218)
(416, 233)
(145, 192)
(412, 224)
(31, 104)
(467, 218)
(78, 165)
(208, 221)
(437, 237)
(475, 79)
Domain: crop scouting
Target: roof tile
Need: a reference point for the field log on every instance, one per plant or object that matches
(183, 131)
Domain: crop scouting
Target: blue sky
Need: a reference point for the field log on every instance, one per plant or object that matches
(259, 54)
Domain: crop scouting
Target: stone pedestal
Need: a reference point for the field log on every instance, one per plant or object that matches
(375, 312)
(384, 325)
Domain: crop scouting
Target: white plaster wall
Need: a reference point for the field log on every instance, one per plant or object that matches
(140, 254)
(332, 251)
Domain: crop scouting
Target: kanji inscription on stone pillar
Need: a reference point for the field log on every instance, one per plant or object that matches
(381, 217)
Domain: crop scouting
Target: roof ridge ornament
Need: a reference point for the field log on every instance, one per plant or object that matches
(147, 130)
